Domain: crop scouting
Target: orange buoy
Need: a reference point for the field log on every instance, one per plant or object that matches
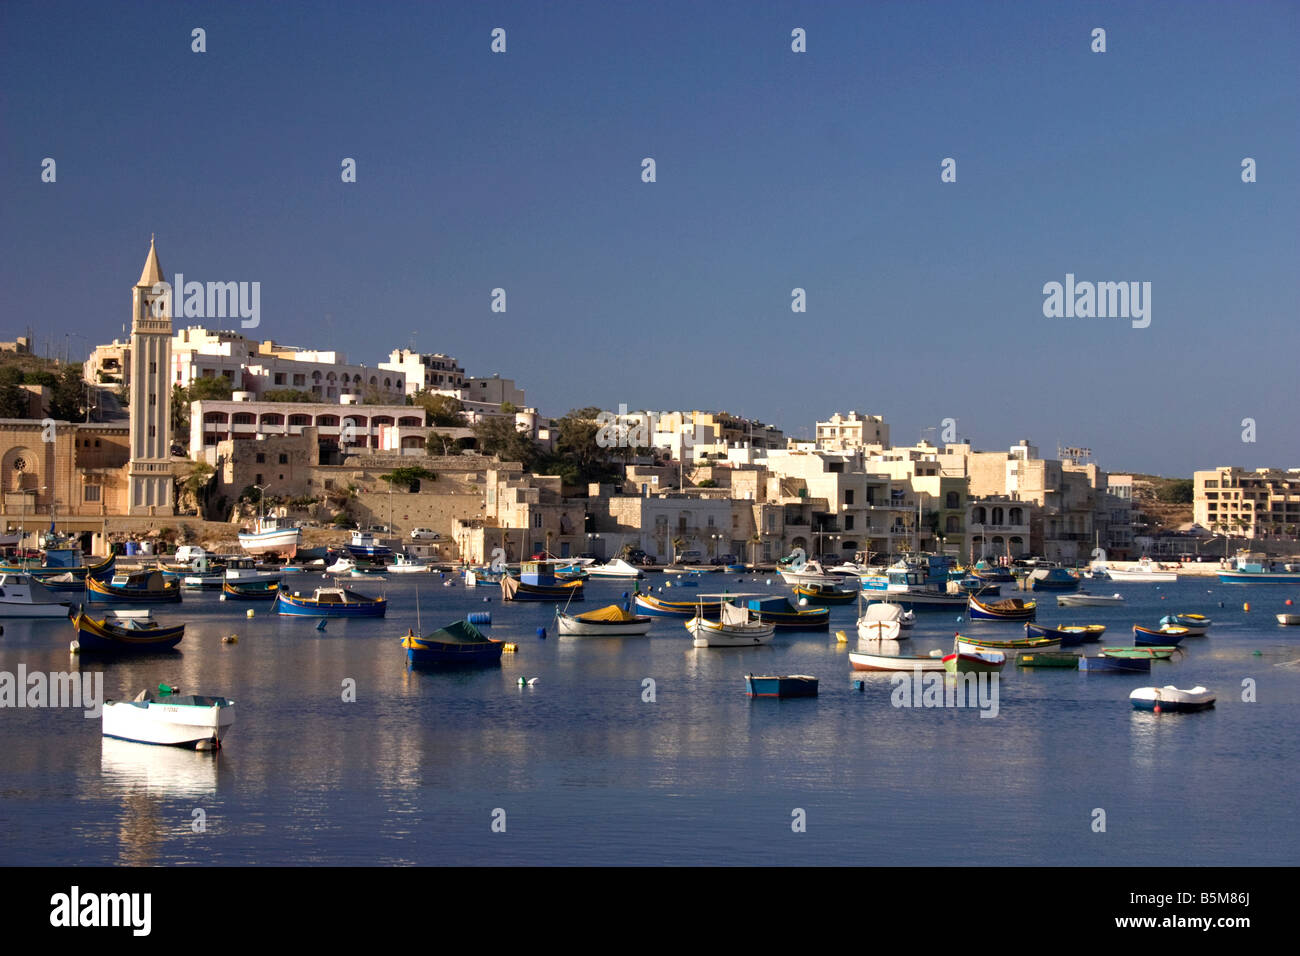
(1246, 606)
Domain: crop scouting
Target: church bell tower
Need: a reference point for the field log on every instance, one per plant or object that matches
(149, 475)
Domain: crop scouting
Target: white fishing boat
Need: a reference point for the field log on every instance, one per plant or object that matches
(813, 573)
(341, 566)
(243, 571)
(170, 719)
(736, 627)
(1084, 599)
(611, 621)
(617, 568)
(896, 662)
(1146, 572)
(1170, 698)
(271, 535)
(1288, 619)
(23, 596)
(882, 622)
(404, 564)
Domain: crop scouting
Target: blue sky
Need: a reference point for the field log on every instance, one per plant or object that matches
(775, 170)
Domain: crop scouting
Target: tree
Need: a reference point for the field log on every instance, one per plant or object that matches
(439, 443)
(13, 399)
(68, 394)
(500, 437)
(444, 411)
(408, 476)
(1178, 492)
(216, 388)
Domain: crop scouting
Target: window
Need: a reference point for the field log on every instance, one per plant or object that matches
(261, 458)
(153, 398)
(848, 522)
(848, 496)
(152, 431)
(92, 492)
(257, 479)
(153, 368)
(537, 520)
(953, 499)
(284, 459)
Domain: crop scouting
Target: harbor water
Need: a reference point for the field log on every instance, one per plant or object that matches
(647, 751)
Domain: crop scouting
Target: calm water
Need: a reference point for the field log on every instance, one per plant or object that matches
(589, 773)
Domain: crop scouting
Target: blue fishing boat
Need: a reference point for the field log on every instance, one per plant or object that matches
(1167, 636)
(456, 644)
(1116, 665)
(821, 595)
(1198, 625)
(124, 635)
(135, 587)
(331, 602)
(1069, 635)
(366, 545)
(62, 570)
(787, 617)
(264, 591)
(1008, 609)
(793, 685)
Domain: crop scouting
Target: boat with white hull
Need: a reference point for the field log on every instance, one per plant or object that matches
(271, 536)
(1146, 572)
(736, 627)
(170, 720)
(1084, 599)
(611, 621)
(882, 622)
(617, 568)
(813, 573)
(21, 595)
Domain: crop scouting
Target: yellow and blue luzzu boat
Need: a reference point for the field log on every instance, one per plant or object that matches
(135, 587)
(1008, 609)
(129, 635)
(779, 611)
(331, 602)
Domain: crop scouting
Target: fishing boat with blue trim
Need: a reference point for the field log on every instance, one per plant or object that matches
(250, 592)
(1070, 635)
(113, 634)
(736, 626)
(170, 719)
(331, 602)
(658, 607)
(366, 545)
(1115, 665)
(1008, 609)
(1256, 568)
(21, 595)
(822, 595)
(133, 587)
(271, 535)
(1166, 636)
(971, 645)
(780, 612)
(456, 644)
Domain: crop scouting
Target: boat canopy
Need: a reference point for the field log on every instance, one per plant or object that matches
(461, 632)
(611, 613)
(734, 615)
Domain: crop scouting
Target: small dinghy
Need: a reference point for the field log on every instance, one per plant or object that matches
(1148, 651)
(1170, 698)
(170, 719)
(792, 685)
(1167, 635)
(1115, 665)
(1063, 659)
(1069, 635)
(1008, 609)
(897, 662)
(1085, 599)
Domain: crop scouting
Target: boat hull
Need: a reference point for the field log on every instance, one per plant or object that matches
(1164, 637)
(1267, 577)
(655, 607)
(283, 542)
(987, 612)
(716, 634)
(982, 663)
(795, 685)
(891, 662)
(169, 725)
(294, 606)
(98, 592)
(102, 637)
(1062, 659)
(1172, 699)
(572, 626)
(1115, 665)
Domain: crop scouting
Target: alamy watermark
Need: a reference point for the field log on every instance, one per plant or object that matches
(212, 300)
(1102, 300)
(935, 689)
(54, 689)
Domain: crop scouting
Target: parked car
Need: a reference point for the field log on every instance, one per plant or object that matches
(424, 533)
(693, 556)
(726, 559)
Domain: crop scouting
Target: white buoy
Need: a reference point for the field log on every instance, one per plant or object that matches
(803, 602)
(221, 597)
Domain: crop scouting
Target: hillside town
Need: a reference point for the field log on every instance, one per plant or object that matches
(185, 435)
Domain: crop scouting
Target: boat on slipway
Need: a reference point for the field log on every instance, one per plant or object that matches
(271, 535)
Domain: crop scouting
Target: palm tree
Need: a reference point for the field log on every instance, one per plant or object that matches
(677, 543)
(755, 540)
